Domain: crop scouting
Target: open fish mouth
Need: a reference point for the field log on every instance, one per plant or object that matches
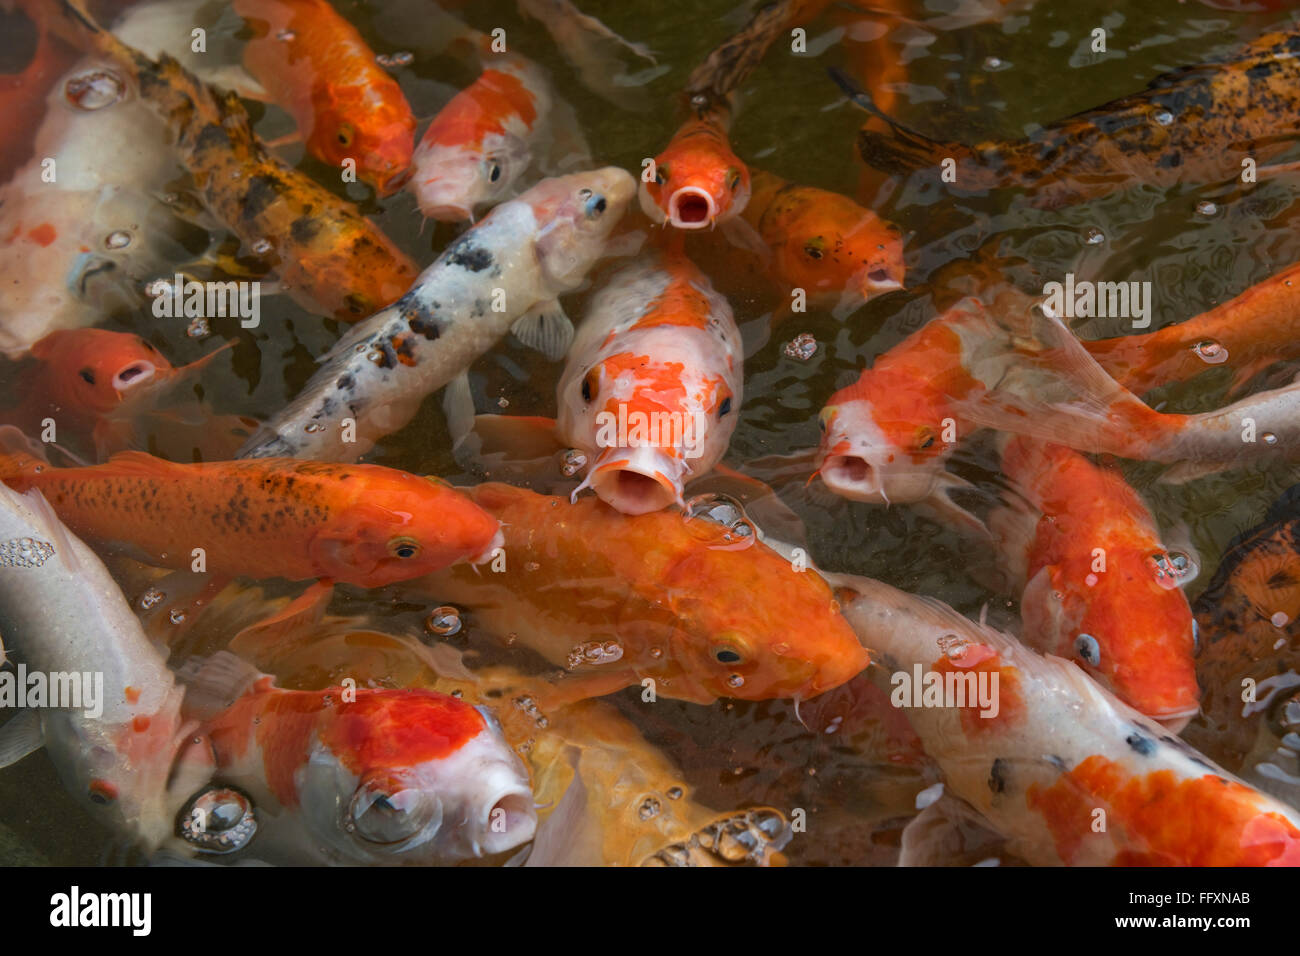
(852, 476)
(692, 208)
(635, 481)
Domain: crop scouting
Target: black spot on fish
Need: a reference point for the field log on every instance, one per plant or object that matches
(1143, 745)
(472, 257)
(212, 137)
(304, 229)
(261, 193)
(997, 776)
(422, 323)
(345, 381)
(1057, 762)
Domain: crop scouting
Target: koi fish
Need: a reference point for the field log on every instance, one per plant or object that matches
(364, 524)
(364, 776)
(328, 257)
(479, 145)
(61, 612)
(1246, 334)
(316, 65)
(839, 253)
(618, 599)
(698, 181)
(887, 435)
(23, 91)
(660, 356)
(1190, 126)
(1247, 617)
(1054, 749)
(1097, 585)
(524, 255)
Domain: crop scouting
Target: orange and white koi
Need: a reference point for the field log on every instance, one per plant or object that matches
(888, 435)
(362, 524)
(617, 599)
(698, 180)
(479, 145)
(525, 254)
(1055, 749)
(364, 776)
(316, 65)
(653, 386)
(114, 744)
(1097, 585)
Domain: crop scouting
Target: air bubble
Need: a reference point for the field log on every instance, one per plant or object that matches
(118, 239)
(313, 427)
(400, 58)
(594, 652)
(93, 89)
(1206, 208)
(801, 348)
(443, 621)
(1280, 619)
(151, 599)
(1268, 438)
(1210, 352)
(572, 462)
(953, 647)
(286, 36)
(1163, 117)
(261, 246)
(177, 616)
(225, 823)
(198, 329)
(650, 807)
(675, 793)
(1094, 236)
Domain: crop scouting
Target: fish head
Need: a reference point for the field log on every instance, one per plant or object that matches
(787, 639)
(698, 180)
(1129, 626)
(414, 777)
(834, 249)
(653, 422)
(381, 147)
(865, 458)
(575, 215)
(452, 180)
(95, 371)
(400, 527)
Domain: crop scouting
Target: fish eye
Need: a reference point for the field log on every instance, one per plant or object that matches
(88, 374)
(661, 175)
(590, 383)
(823, 420)
(357, 304)
(346, 133)
(404, 548)
(724, 654)
(733, 179)
(1088, 649)
(596, 206)
(813, 248)
(384, 812)
(725, 406)
(924, 438)
(494, 171)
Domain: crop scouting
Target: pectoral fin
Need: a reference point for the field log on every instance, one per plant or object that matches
(21, 736)
(545, 328)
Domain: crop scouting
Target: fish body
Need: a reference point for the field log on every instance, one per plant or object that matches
(1058, 751)
(23, 91)
(839, 253)
(698, 180)
(61, 613)
(362, 524)
(1189, 126)
(316, 65)
(623, 598)
(1097, 585)
(519, 259)
(479, 145)
(328, 257)
(364, 776)
(1248, 333)
(660, 353)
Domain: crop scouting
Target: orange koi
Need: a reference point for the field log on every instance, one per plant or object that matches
(363, 524)
(1097, 585)
(698, 181)
(618, 599)
(1037, 748)
(316, 65)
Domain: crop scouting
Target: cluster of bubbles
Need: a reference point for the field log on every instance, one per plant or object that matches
(25, 553)
(218, 820)
(749, 838)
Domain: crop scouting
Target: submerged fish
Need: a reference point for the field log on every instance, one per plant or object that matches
(360, 524)
(1097, 586)
(653, 386)
(618, 599)
(316, 65)
(1052, 753)
(352, 775)
(1246, 334)
(698, 181)
(328, 257)
(479, 145)
(1190, 126)
(840, 254)
(504, 274)
(62, 614)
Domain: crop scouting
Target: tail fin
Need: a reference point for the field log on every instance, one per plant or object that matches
(901, 151)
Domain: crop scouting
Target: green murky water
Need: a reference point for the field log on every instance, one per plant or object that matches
(793, 121)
